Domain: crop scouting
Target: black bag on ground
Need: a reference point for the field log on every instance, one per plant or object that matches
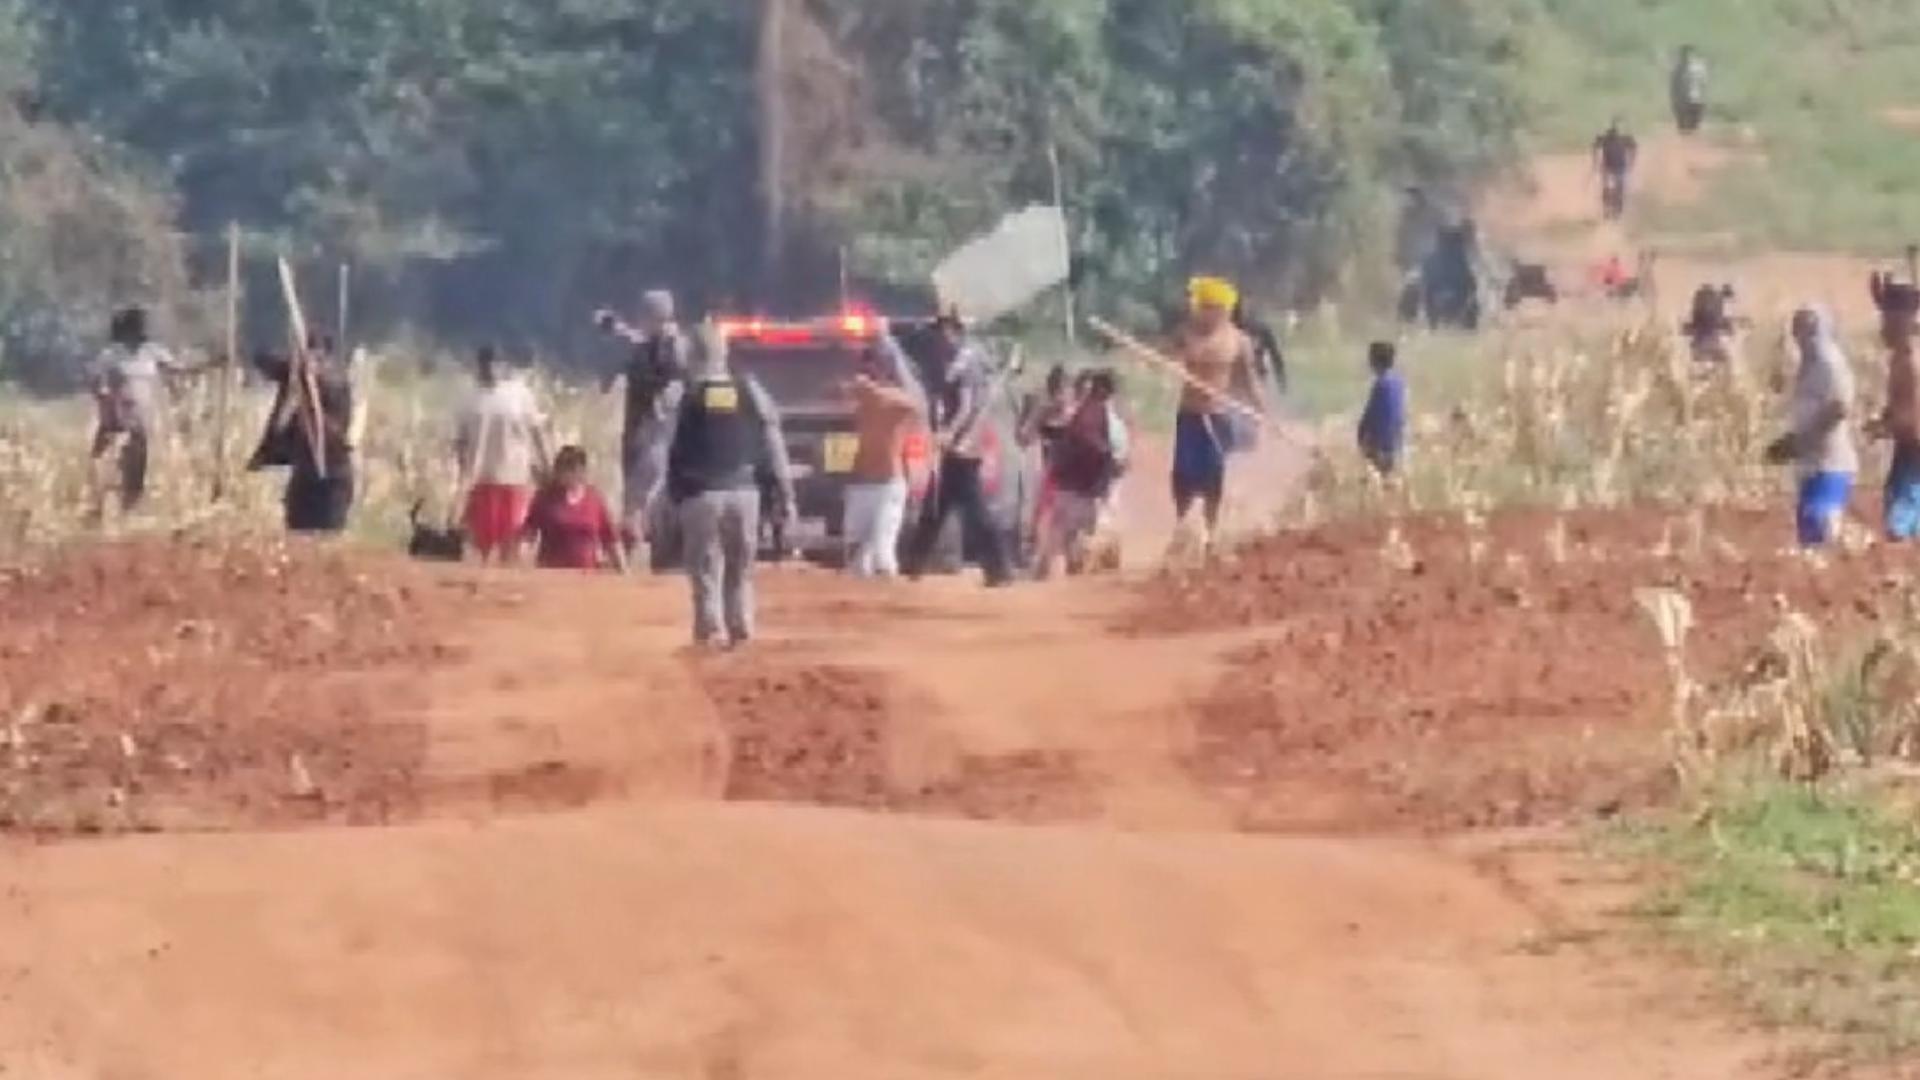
(431, 544)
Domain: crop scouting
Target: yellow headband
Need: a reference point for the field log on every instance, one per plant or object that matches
(1212, 292)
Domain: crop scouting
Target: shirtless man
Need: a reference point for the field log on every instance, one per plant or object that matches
(1899, 304)
(1219, 360)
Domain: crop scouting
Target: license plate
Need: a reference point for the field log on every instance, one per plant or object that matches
(808, 531)
(837, 453)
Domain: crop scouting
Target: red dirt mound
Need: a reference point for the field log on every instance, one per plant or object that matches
(156, 685)
(1466, 678)
(825, 736)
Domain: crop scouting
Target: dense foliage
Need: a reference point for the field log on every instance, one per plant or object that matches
(498, 168)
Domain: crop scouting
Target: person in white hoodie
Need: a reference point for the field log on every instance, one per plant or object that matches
(1821, 442)
(502, 449)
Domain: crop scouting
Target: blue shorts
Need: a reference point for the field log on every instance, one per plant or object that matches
(1823, 499)
(1201, 442)
(1903, 493)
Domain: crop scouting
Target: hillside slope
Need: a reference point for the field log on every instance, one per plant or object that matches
(1810, 103)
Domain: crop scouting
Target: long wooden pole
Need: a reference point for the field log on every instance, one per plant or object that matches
(1171, 366)
(1066, 241)
(303, 388)
(223, 394)
(346, 292)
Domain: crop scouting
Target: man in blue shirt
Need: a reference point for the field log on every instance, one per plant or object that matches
(1383, 426)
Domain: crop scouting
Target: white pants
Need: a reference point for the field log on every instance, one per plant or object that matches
(874, 516)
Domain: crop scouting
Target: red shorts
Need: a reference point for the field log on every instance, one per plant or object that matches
(496, 513)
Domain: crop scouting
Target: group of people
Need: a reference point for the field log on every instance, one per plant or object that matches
(697, 443)
(1084, 441)
(704, 462)
(1821, 442)
(310, 430)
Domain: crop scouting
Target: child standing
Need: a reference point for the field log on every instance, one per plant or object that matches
(1383, 426)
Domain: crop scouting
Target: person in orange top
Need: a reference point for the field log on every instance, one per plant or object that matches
(886, 408)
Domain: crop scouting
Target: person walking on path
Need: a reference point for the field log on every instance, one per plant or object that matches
(1383, 424)
(128, 381)
(1899, 422)
(1219, 363)
(1087, 463)
(502, 449)
(959, 402)
(886, 406)
(1688, 90)
(569, 521)
(1820, 442)
(654, 375)
(727, 427)
(1614, 155)
(1043, 418)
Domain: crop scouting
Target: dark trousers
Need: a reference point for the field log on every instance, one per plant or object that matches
(1613, 192)
(131, 450)
(316, 505)
(960, 490)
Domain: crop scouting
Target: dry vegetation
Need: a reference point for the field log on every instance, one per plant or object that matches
(50, 492)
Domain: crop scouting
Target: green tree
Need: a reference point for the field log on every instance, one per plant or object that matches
(500, 168)
(80, 231)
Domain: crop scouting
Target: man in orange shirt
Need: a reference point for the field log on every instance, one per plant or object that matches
(886, 407)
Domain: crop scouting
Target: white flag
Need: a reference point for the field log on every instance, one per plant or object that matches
(1004, 270)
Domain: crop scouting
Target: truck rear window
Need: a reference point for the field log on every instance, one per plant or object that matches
(799, 377)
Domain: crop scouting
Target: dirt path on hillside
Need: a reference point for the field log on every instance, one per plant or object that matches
(1550, 213)
(921, 832)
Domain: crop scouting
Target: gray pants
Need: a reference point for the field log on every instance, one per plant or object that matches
(721, 532)
(644, 473)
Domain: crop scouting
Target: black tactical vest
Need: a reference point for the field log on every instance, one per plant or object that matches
(717, 442)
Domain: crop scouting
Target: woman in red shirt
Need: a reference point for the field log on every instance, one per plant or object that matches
(570, 520)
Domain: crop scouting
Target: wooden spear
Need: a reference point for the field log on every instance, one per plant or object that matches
(303, 385)
(223, 394)
(1167, 364)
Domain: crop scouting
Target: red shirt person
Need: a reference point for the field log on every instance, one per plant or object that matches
(570, 522)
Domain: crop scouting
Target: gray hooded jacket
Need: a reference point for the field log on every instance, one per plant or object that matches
(1824, 379)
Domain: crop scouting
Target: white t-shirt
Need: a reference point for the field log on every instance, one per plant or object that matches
(498, 434)
(130, 380)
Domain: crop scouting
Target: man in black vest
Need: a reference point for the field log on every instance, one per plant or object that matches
(728, 428)
(654, 374)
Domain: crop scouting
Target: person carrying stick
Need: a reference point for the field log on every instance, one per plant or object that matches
(1218, 404)
(309, 431)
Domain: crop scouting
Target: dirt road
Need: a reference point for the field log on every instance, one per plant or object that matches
(921, 832)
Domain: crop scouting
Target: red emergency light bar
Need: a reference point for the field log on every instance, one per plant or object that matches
(850, 325)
